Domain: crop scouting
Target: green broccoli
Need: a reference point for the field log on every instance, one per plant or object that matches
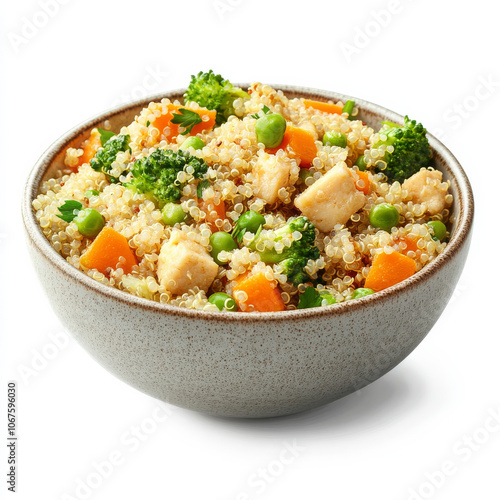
(293, 259)
(104, 158)
(213, 92)
(411, 149)
(156, 174)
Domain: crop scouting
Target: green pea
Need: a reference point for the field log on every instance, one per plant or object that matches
(193, 142)
(91, 192)
(223, 301)
(172, 213)
(220, 241)
(438, 230)
(384, 216)
(250, 221)
(270, 130)
(326, 295)
(361, 292)
(361, 163)
(89, 222)
(335, 139)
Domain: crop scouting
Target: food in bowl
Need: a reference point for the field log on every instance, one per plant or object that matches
(235, 363)
(247, 200)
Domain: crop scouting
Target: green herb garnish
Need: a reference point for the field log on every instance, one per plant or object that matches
(69, 210)
(187, 119)
(204, 184)
(314, 298)
(266, 112)
(105, 135)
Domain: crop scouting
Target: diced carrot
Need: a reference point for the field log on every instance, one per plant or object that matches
(90, 149)
(206, 124)
(388, 269)
(410, 245)
(301, 143)
(262, 295)
(364, 185)
(163, 122)
(218, 212)
(106, 251)
(324, 106)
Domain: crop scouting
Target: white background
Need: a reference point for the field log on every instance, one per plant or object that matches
(425, 430)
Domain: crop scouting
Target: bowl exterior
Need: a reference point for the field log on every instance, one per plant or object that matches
(249, 369)
(253, 365)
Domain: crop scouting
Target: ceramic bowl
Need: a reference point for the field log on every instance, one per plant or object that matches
(248, 365)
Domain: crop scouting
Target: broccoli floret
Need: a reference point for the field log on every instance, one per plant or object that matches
(104, 158)
(293, 259)
(211, 91)
(156, 174)
(411, 149)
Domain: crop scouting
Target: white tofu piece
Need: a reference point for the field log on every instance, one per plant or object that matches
(270, 174)
(332, 199)
(184, 264)
(426, 187)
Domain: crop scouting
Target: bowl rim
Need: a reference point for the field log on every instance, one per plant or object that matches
(462, 228)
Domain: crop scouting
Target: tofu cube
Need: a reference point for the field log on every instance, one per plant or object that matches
(184, 264)
(332, 199)
(426, 187)
(270, 174)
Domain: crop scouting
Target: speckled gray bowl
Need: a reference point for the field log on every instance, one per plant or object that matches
(248, 365)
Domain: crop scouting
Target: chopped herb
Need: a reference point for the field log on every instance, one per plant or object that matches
(69, 210)
(310, 298)
(148, 123)
(204, 184)
(105, 135)
(314, 298)
(91, 192)
(187, 119)
(266, 112)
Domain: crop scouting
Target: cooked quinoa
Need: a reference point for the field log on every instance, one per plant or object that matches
(243, 175)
